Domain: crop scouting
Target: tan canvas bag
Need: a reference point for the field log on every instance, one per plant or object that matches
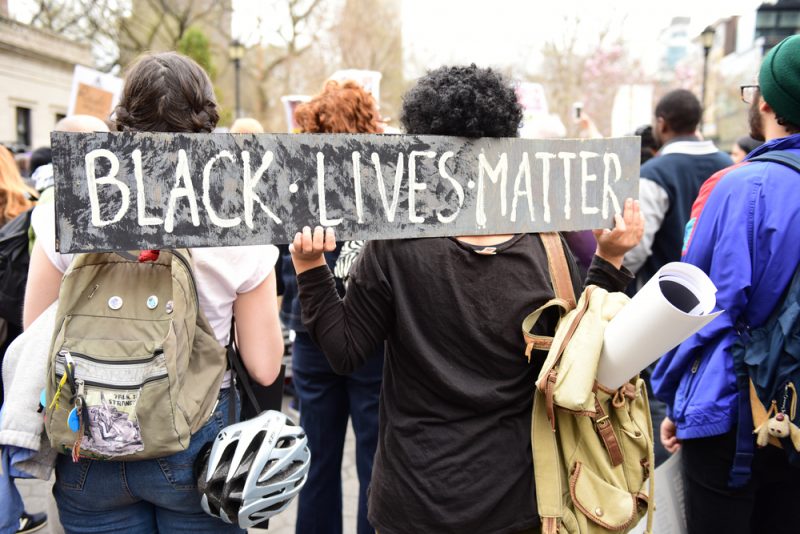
(592, 447)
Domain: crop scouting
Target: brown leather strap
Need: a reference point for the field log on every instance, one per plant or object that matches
(549, 390)
(559, 269)
(603, 425)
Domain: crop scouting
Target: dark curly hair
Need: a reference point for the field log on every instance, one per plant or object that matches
(167, 92)
(462, 101)
(340, 108)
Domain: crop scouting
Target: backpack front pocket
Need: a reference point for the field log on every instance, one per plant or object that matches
(115, 396)
(112, 395)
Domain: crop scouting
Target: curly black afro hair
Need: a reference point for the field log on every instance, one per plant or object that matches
(462, 101)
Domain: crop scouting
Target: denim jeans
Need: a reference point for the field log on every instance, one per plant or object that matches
(327, 400)
(144, 496)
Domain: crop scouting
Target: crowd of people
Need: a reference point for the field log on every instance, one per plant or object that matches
(417, 342)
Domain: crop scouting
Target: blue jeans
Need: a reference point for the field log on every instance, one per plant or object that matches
(144, 496)
(326, 402)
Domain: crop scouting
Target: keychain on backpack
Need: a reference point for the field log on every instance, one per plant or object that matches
(779, 424)
(76, 423)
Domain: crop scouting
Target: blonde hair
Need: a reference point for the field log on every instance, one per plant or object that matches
(14, 194)
(247, 125)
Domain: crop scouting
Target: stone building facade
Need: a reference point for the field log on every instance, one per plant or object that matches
(36, 69)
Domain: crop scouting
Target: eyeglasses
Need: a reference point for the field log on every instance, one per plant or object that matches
(749, 93)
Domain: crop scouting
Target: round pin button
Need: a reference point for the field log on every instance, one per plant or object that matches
(115, 302)
(152, 302)
(169, 306)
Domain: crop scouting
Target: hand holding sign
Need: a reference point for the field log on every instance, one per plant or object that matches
(307, 249)
(626, 234)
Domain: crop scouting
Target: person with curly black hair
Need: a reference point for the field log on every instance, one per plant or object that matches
(477, 103)
(454, 445)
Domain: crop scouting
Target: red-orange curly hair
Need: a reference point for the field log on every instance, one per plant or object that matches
(339, 108)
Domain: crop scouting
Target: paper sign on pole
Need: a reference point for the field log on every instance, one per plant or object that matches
(290, 103)
(94, 93)
(673, 305)
(370, 80)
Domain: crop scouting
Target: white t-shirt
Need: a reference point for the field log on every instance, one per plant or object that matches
(221, 273)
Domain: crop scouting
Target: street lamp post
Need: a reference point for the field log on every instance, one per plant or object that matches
(236, 53)
(707, 40)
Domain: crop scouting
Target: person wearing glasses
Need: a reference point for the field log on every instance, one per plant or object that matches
(744, 233)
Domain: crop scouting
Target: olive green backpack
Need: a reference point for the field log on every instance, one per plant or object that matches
(592, 446)
(135, 368)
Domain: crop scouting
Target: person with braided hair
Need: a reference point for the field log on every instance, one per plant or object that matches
(167, 92)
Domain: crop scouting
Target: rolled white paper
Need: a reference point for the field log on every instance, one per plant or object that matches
(674, 304)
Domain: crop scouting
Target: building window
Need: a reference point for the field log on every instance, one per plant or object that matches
(789, 20)
(24, 126)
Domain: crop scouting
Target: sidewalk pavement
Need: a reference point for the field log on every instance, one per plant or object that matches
(38, 497)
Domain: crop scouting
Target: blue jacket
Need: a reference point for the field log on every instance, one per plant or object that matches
(747, 239)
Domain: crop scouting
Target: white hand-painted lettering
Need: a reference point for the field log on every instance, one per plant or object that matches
(323, 208)
(524, 170)
(250, 182)
(566, 158)
(586, 177)
(413, 185)
(212, 214)
(141, 200)
(182, 176)
(456, 185)
(608, 192)
(110, 179)
(545, 157)
(398, 178)
(499, 172)
(357, 186)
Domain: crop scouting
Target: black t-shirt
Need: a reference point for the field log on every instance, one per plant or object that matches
(454, 452)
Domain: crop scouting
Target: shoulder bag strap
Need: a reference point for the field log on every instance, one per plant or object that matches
(558, 267)
(547, 472)
(784, 157)
(562, 287)
(239, 373)
(544, 447)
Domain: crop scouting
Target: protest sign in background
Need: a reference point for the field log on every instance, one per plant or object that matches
(126, 191)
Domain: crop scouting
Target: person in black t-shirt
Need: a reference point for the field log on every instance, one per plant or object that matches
(454, 451)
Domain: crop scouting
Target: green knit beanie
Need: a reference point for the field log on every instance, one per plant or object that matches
(779, 79)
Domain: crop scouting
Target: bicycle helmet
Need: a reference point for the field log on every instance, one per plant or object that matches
(254, 469)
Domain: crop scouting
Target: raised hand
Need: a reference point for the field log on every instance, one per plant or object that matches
(626, 234)
(308, 248)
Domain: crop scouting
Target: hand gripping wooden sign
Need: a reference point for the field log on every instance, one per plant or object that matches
(130, 191)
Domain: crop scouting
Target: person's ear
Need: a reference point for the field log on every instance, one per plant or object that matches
(661, 125)
(763, 107)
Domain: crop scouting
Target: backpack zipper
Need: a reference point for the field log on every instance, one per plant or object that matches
(72, 356)
(68, 355)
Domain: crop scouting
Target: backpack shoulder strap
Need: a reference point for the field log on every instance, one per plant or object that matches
(558, 267)
(784, 157)
(562, 287)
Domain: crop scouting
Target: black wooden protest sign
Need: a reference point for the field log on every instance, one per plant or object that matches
(129, 191)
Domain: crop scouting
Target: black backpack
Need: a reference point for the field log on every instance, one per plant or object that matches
(14, 260)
